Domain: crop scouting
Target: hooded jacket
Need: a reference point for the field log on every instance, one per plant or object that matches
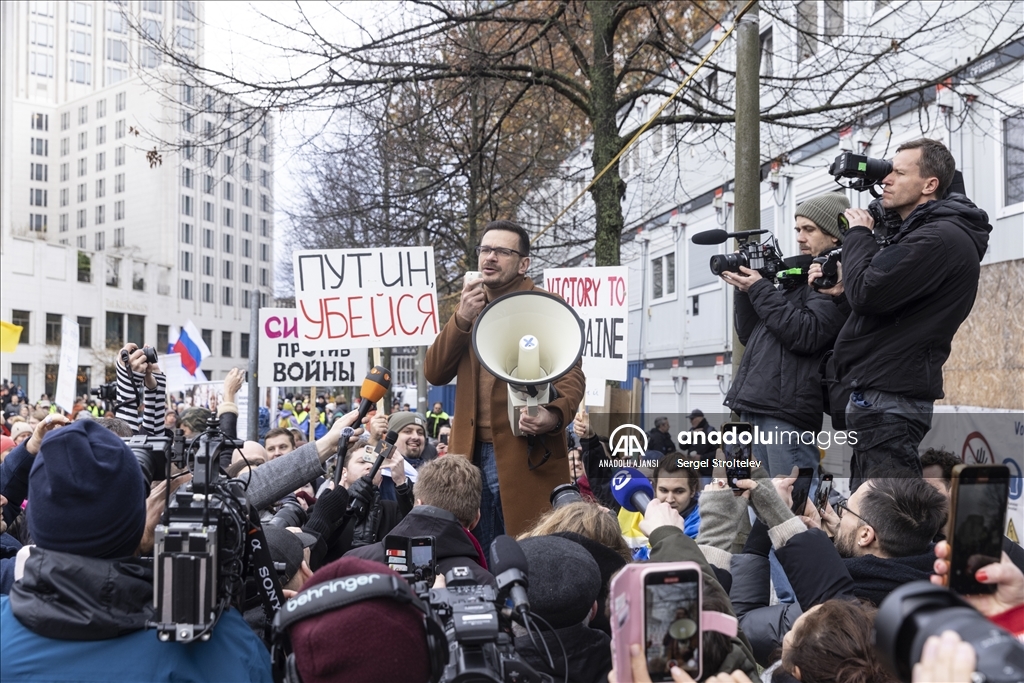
(453, 545)
(909, 299)
(786, 331)
(73, 618)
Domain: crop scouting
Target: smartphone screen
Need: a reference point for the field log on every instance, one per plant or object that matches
(737, 454)
(824, 490)
(443, 438)
(422, 557)
(801, 488)
(672, 623)
(977, 518)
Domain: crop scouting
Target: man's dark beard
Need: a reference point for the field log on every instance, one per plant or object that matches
(843, 547)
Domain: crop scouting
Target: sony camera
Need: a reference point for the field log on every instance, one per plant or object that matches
(920, 609)
(480, 647)
(201, 550)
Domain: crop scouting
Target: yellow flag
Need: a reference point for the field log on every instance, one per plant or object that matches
(10, 334)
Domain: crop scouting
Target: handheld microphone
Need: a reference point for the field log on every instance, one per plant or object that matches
(375, 385)
(719, 236)
(510, 568)
(632, 490)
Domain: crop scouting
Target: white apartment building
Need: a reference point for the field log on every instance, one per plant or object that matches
(681, 183)
(94, 225)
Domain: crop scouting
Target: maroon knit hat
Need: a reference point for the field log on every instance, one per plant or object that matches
(370, 641)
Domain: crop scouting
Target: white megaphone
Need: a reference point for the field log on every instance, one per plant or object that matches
(528, 339)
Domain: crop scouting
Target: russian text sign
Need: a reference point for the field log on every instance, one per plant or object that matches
(283, 363)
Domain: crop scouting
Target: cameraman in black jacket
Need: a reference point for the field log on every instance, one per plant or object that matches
(908, 300)
(786, 329)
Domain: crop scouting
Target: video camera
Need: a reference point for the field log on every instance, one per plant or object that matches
(479, 647)
(866, 173)
(208, 539)
(764, 257)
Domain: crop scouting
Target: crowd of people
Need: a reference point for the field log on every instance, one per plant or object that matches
(337, 491)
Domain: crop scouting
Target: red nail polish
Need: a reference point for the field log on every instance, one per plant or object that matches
(981, 575)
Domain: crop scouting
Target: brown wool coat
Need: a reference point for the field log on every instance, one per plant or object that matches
(524, 492)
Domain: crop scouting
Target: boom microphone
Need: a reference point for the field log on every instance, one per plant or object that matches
(632, 490)
(510, 569)
(719, 236)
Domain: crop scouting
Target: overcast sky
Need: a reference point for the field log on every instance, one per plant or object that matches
(243, 38)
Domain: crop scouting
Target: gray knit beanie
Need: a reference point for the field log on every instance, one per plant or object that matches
(824, 210)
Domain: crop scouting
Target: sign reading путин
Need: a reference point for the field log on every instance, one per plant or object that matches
(360, 298)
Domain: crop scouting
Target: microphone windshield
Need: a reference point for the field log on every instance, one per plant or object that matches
(627, 482)
(506, 554)
(375, 384)
(710, 237)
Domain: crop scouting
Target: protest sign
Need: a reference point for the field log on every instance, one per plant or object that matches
(67, 370)
(361, 298)
(599, 297)
(283, 363)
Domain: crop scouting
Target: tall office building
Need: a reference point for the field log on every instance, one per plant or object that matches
(133, 199)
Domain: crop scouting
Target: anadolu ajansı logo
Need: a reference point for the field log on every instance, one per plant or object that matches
(628, 441)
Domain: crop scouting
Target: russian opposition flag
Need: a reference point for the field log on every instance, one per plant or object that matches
(191, 347)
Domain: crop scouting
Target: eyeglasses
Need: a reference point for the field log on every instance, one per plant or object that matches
(842, 507)
(500, 251)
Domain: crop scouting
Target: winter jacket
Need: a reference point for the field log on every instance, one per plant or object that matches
(525, 489)
(660, 441)
(763, 623)
(669, 544)
(786, 332)
(453, 546)
(588, 650)
(73, 618)
(599, 477)
(909, 298)
(14, 471)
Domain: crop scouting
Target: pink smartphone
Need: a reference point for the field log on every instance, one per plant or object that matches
(658, 606)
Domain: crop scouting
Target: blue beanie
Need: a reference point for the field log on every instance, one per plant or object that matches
(85, 493)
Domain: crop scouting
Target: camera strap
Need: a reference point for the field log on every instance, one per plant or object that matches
(271, 593)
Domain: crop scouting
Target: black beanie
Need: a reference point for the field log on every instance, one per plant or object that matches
(564, 579)
(85, 493)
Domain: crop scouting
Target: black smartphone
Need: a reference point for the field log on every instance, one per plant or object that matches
(422, 558)
(672, 632)
(977, 517)
(801, 489)
(823, 492)
(443, 438)
(738, 452)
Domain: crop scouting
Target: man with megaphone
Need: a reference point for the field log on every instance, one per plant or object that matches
(516, 351)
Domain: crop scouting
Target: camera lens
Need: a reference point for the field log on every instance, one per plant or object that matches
(564, 494)
(721, 263)
(150, 354)
(917, 610)
(877, 169)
